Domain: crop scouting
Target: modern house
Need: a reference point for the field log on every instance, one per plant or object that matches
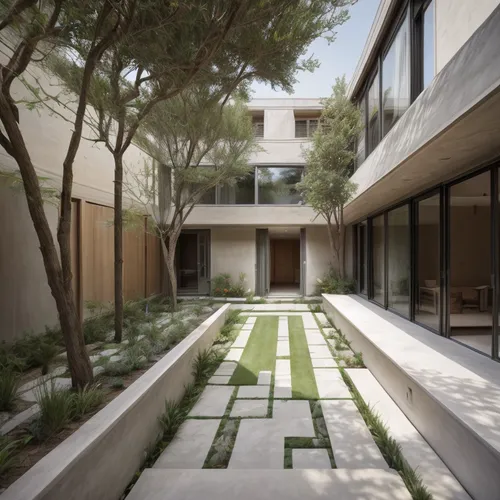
(260, 226)
(425, 217)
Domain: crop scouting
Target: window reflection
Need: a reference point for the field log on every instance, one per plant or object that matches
(373, 115)
(396, 78)
(242, 192)
(378, 245)
(277, 185)
(360, 150)
(428, 44)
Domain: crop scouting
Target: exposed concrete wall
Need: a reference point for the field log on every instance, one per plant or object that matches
(455, 24)
(26, 303)
(318, 256)
(233, 251)
(100, 459)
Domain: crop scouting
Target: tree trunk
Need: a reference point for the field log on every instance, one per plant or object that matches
(169, 259)
(78, 360)
(333, 244)
(118, 235)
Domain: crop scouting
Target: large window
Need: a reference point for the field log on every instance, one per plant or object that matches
(305, 127)
(398, 259)
(396, 78)
(373, 115)
(428, 44)
(360, 146)
(363, 258)
(241, 192)
(277, 185)
(378, 255)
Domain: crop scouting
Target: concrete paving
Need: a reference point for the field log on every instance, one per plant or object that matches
(330, 384)
(253, 391)
(314, 337)
(234, 354)
(319, 352)
(264, 378)
(249, 408)
(219, 380)
(213, 401)
(283, 379)
(311, 459)
(352, 444)
(226, 368)
(268, 484)
(283, 349)
(324, 363)
(242, 340)
(190, 446)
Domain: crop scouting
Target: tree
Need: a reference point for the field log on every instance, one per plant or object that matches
(326, 185)
(199, 144)
(217, 44)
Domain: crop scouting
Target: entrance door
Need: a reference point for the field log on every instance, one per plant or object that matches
(193, 262)
(204, 261)
(262, 282)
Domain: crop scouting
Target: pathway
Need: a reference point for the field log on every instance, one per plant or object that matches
(278, 401)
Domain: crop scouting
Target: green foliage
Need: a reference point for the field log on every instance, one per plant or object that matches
(97, 328)
(171, 420)
(252, 300)
(8, 450)
(36, 350)
(86, 400)
(223, 286)
(9, 360)
(234, 317)
(117, 383)
(118, 368)
(205, 363)
(331, 282)
(9, 382)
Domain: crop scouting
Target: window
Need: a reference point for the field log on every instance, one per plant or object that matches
(428, 45)
(360, 144)
(242, 192)
(378, 249)
(396, 78)
(258, 126)
(373, 115)
(277, 185)
(306, 127)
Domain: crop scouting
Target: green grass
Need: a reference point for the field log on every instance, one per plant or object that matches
(303, 381)
(260, 352)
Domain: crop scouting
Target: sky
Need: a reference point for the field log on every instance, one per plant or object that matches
(337, 59)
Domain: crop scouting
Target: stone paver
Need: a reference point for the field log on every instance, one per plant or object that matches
(311, 459)
(226, 368)
(352, 444)
(330, 383)
(249, 408)
(324, 363)
(323, 320)
(234, 354)
(56, 372)
(213, 401)
(319, 351)
(283, 379)
(314, 338)
(190, 446)
(294, 418)
(242, 340)
(247, 327)
(269, 484)
(219, 379)
(283, 348)
(57, 384)
(253, 391)
(264, 378)
(111, 352)
(19, 419)
(309, 321)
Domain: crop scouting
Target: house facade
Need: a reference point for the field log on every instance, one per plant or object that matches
(260, 226)
(424, 222)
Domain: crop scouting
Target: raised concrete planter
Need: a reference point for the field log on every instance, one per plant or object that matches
(100, 459)
(450, 393)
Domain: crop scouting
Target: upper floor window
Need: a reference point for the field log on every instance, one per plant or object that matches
(360, 143)
(306, 127)
(277, 185)
(428, 45)
(373, 121)
(258, 126)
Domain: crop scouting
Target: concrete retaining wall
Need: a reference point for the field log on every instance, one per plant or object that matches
(99, 460)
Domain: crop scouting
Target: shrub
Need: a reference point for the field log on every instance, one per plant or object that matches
(331, 282)
(10, 361)
(8, 449)
(96, 329)
(86, 400)
(36, 350)
(117, 369)
(9, 382)
(56, 410)
(223, 286)
(117, 383)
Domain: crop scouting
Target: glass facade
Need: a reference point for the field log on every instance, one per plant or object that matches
(398, 260)
(428, 44)
(378, 258)
(373, 127)
(277, 185)
(363, 258)
(360, 145)
(242, 192)
(396, 78)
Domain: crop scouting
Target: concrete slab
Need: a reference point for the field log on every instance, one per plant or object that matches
(319, 352)
(309, 321)
(219, 379)
(249, 408)
(234, 354)
(56, 372)
(190, 446)
(213, 484)
(242, 340)
(294, 418)
(283, 379)
(311, 459)
(323, 320)
(253, 391)
(264, 378)
(440, 482)
(213, 401)
(330, 383)
(19, 419)
(283, 348)
(352, 444)
(324, 363)
(247, 327)
(57, 384)
(226, 368)
(315, 338)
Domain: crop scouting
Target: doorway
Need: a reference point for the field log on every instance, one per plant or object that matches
(193, 262)
(284, 261)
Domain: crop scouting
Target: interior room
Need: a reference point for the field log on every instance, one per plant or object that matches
(285, 261)
(186, 263)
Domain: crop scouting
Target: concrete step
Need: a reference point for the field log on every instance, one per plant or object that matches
(289, 484)
(440, 482)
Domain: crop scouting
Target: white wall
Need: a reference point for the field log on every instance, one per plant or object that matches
(233, 251)
(456, 21)
(318, 256)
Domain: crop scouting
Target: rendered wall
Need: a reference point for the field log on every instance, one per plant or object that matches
(318, 256)
(233, 251)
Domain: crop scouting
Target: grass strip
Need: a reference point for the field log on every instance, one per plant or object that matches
(260, 352)
(303, 380)
(388, 446)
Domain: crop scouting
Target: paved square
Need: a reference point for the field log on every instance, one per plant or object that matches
(226, 368)
(213, 401)
(330, 383)
(234, 354)
(249, 408)
(324, 363)
(219, 379)
(253, 391)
